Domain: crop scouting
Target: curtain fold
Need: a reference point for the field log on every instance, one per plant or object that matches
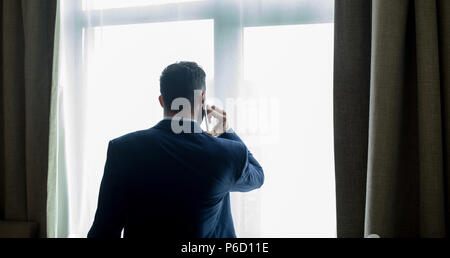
(26, 57)
(444, 50)
(406, 186)
(351, 107)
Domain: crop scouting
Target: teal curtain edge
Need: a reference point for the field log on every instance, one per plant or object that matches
(57, 197)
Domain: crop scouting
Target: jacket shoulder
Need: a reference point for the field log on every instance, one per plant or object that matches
(136, 135)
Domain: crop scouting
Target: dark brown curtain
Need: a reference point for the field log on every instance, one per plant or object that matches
(392, 117)
(27, 35)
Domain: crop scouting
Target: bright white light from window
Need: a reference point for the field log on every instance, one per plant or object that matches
(125, 63)
(290, 63)
(293, 64)
(105, 4)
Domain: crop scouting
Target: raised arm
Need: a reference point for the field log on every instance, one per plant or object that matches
(250, 174)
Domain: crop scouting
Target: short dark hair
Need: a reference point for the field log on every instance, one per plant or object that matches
(179, 80)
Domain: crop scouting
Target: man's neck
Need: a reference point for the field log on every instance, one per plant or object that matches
(185, 117)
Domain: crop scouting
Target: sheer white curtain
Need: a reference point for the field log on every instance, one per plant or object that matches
(70, 196)
(110, 54)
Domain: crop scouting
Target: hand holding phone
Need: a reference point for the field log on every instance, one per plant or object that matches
(221, 117)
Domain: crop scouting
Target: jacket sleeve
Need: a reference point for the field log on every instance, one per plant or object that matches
(110, 215)
(250, 174)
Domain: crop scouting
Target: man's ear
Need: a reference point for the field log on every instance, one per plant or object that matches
(203, 97)
(161, 102)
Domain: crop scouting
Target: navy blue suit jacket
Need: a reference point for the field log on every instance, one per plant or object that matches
(158, 183)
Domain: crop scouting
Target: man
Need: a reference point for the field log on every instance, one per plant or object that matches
(167, 182)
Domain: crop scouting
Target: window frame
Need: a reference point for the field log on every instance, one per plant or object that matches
(230, 18)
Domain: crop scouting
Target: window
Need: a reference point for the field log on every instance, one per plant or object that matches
(274, 55)
(293, 64)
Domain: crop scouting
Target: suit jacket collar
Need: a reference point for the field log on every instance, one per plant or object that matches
(177, 125)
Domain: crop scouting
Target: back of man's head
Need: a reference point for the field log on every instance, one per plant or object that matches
(180, 80)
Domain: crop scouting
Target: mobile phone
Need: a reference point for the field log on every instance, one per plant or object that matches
(204, 116)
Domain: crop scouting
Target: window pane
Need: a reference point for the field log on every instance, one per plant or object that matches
(292, 65)
(124, 65)
(105, 4)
